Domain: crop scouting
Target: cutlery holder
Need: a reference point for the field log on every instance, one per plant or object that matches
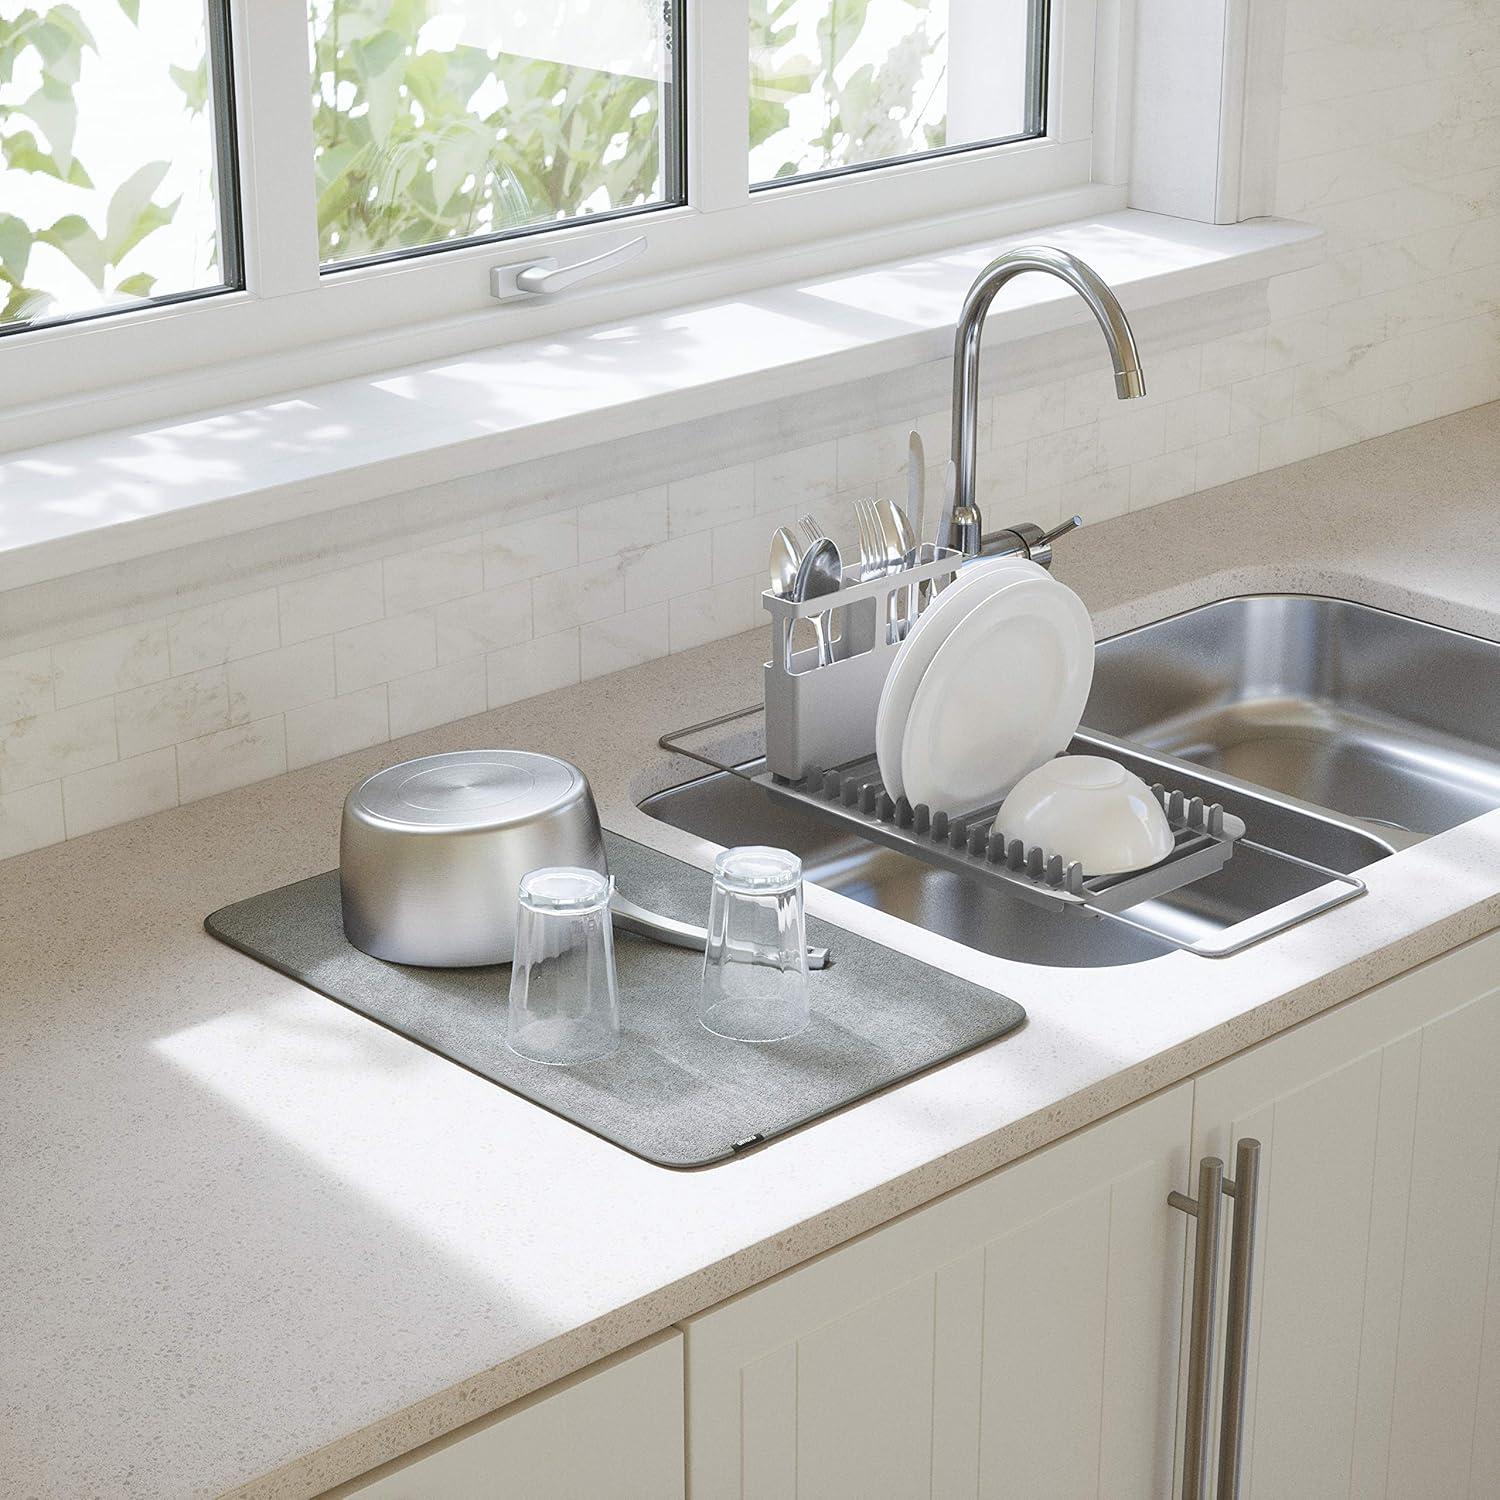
(825, 715)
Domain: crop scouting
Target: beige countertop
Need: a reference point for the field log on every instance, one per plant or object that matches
(257, 1244)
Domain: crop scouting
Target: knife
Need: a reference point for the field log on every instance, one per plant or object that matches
(916, 478)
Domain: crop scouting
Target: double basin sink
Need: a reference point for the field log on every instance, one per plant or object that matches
(1338, 732)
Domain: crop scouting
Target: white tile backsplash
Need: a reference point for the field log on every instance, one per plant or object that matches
(25, 685)
(216, 633)
(711, 499)
(711, 614)
(622, 641)
(433, 575)
(1390, 141)
(231, 757)
(101, 664)
(483, 622)
(120, 791)
(664, 569)
(609, 527)
(336, 726)
(540, 666)
(57, 743)
(516, 553)
(278, 680)
(806, 477)
(384, 649)
(438, 696)
(331, 601)
(31, 819)
(164, 713)
(574, 596)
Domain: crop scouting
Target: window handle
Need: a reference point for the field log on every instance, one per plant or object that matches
(544, 277)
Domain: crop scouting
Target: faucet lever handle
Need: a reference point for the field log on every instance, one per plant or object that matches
(1047, 538)
(1024, 539)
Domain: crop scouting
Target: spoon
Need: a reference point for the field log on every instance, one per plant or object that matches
(821, 573)
(786, 556)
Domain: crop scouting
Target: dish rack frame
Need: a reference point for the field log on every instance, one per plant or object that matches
(1204, 835)
(819, 734)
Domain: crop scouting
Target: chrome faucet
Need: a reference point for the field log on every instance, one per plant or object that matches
(966, 529)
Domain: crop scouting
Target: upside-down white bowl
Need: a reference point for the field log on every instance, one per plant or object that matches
(1089, 809)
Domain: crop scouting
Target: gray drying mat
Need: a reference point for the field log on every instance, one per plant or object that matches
(673, 1092)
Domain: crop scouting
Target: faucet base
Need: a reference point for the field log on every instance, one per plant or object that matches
(1024, 539)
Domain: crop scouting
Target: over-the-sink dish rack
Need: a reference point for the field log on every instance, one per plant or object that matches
(817, 751)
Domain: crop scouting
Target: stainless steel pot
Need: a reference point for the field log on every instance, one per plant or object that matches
(431, 851)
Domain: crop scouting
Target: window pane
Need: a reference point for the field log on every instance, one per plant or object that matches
(836, 84)
(110, 181)
(442, 120)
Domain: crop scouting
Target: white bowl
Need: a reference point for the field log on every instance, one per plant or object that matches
(1091, 810)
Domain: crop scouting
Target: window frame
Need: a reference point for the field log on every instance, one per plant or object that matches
(293, 324)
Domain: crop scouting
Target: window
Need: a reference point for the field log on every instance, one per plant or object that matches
(456, 119)
(839, 84)
(115, 188)
(337, 179)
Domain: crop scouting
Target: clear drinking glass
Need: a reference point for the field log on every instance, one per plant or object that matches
(755, 964)
(564, 1005)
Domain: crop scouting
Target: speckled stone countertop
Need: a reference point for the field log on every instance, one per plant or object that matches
(256, 1244)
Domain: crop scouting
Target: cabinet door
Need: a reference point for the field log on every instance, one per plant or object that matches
(1374, 1366)
(614, 1430)
(1017, 1338)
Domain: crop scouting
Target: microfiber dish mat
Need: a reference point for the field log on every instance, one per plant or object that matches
(673, 1093)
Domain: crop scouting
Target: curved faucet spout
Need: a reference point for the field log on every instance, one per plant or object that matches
(1129, 382)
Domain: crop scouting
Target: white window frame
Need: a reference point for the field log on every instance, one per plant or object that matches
(292, 324)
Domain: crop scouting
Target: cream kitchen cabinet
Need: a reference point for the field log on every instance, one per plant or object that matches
(614, 1431)
(1016, 1338)
(1374, 1356)
(1028, 1336)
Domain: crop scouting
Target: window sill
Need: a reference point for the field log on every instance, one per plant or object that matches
(96, 501)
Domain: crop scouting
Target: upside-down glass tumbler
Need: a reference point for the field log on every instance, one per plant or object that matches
(755, 963)
(564, 1005)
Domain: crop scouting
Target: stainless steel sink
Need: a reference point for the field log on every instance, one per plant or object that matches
(728, 809)
(1372, 715)
(1339, 733)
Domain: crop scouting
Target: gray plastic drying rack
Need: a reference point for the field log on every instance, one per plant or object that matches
(812, 710)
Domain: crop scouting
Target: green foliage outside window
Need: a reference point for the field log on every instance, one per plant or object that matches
(877, 110)
(37, 136)
(414, 146)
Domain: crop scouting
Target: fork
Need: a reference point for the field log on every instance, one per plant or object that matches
(872, 558)
(811, 530)
(879, 556)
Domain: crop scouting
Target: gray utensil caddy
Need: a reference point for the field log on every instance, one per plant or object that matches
(825, 716)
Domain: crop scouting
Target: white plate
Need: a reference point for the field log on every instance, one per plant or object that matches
(1004, 692)
(975, 582)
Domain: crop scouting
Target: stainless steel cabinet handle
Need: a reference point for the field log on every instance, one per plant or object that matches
(1245, 1190)
(1206, 1208)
